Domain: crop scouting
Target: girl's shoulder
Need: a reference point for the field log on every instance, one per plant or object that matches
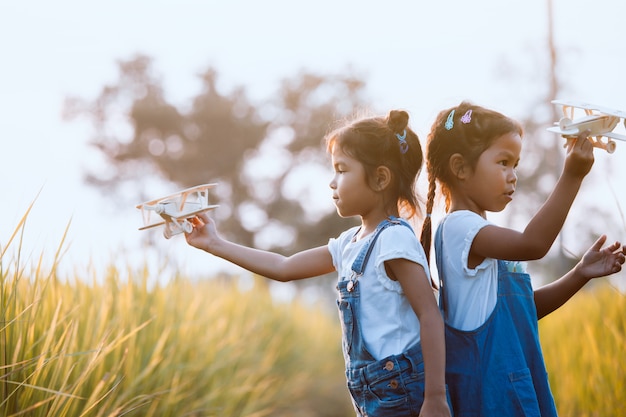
(345, 237)
(462, 220)
(403, 230)
(399, 239)
(463, 215)
(458, 229)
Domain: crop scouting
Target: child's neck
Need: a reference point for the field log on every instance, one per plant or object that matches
(457, 206)
(369, 223)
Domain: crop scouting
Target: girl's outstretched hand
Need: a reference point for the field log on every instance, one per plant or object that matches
(599, 262)
(204, 234)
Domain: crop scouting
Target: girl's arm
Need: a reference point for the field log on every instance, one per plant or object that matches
(416, 287)
(596, 262)
(306, 264)
(540, 233)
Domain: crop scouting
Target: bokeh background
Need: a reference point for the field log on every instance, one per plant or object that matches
(418, 56)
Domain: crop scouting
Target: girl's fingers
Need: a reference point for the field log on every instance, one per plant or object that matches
(598, 243)
(196, 222)
(204, 217)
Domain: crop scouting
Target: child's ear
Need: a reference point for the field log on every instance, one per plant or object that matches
(458, 166)
(382, 178)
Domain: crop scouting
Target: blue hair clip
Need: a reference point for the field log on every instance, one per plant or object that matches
(404, 147)
(467, 117)
(450, 121)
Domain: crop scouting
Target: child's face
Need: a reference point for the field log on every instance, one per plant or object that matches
(490, 186)
(351, 193)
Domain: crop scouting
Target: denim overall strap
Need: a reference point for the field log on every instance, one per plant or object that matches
(439, 263)
(498, 368)
(383, 388)
(361, 260)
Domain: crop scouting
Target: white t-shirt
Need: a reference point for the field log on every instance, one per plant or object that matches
(471, 294)
(389, 325)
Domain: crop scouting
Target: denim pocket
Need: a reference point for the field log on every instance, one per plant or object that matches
(525, 395)
(389, 396)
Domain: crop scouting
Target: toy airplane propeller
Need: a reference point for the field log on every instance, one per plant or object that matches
(600, 121)
(177, 209)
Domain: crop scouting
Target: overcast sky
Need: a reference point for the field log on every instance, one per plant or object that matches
(416, 55)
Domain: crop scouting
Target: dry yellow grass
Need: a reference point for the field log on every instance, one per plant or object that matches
(101, 345)
(584, 345)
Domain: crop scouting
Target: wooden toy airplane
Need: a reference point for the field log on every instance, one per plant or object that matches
(600, 121)
(176, 209)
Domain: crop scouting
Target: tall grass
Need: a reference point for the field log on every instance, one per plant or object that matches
(584, 345)
(101, 345)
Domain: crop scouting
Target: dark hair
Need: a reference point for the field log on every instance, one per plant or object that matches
(469, 131)
(376, 141)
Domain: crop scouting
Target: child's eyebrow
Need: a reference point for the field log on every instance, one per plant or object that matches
(507, 154)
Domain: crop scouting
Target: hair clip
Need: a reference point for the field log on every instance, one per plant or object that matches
(403, 145)
(450, 121)
(467, 117)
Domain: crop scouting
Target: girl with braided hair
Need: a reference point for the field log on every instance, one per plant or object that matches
(494, 364)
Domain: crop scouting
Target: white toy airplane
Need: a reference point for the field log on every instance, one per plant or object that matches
(600, 121)
(176, 209)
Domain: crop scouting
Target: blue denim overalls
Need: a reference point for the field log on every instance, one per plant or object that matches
(498, 369)
(393, 386)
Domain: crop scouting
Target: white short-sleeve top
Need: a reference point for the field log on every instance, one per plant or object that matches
(471, 293)
(388, 323)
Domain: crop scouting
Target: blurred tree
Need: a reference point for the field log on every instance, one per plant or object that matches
(264, 158)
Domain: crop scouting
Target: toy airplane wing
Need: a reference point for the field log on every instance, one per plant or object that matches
(574, 103)
(590, 107)
(615, 136)
(150, 226)
(190, 214)
(197, 188)
(611, 112)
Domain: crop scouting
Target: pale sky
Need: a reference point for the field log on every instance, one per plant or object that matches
(416, 55)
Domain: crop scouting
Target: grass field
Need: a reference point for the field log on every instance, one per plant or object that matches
(81, 348)
(584, 346)
(100, 345)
